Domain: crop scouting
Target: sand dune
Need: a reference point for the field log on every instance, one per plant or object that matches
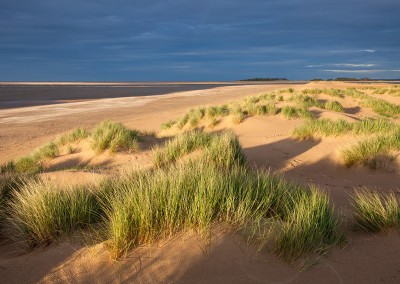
(189, 258)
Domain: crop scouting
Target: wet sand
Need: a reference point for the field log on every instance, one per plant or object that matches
(14, 95)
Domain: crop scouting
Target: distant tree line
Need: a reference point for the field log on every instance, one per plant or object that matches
(353, 79)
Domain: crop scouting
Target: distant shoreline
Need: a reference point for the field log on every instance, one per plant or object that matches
(25, 94)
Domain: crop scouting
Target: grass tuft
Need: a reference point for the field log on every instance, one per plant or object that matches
(310, 228)
(375, 212)
(114, 136)
(290, 112)
(334, 105)
(39, 212)
(168, 124)
(373, 152)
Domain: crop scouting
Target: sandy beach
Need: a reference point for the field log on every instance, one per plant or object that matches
(267, 143)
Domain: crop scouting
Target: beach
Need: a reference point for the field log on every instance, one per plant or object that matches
(224, 256)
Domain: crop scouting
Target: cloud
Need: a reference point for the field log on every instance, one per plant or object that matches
(354, 64)
(359, 71)
(369, 50)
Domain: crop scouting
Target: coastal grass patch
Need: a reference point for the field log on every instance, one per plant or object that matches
(373, 152)
(168, 124)
(215, 187)
(326, 127)
(333, 92)
(334, 106)
(8, 183)
(33, 163)
(115, 137)
(106, 135)
(179, 146)
(75, 135)
(219, 148)
(39, 212)
(290, 112)
(382, 107)
(374, 211)
(310, 228)
(305, 101)
(154, 204)
(321, 127)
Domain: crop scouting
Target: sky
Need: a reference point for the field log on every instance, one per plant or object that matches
(202, 40)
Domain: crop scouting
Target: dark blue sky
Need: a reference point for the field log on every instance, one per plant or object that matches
(181, 40)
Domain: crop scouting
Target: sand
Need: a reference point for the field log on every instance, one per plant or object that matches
(187, 258)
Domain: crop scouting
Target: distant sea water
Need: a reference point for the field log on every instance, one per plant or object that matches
(13, 95)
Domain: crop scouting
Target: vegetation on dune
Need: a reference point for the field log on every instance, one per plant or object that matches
(75, 135)
(375, 211)
(188, 142)
(151, 204)
(144, 206)
(334, 105)
(326, 127)
(290, 112)
(106, 135)
(305, 101)
(373, 152)
(39, 212)
(382, 107)
(114, 136)
(310, 228)
(168, 124)
(212, 186)
(331, 92)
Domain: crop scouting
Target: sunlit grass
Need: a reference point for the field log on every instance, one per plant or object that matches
(326, 127)
(375, 211)
(115, 137)
(290, 112)
(372, 152)
(334, 105)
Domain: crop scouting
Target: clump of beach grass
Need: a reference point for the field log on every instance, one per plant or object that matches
(143, 206)
(305, 102)
(75, 135)
(382, 107)
(180, 145)
(310, 228)
(33, 163)
(115, 137)
(374, 211)
(39, 212)
(372, 152)
(334, 105)
(326, 127)
(168, 124)
(321, 127)
(291, 112)
(153, 204)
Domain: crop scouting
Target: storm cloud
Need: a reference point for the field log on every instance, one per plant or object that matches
(181, 40)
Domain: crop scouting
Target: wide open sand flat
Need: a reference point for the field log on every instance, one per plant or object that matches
(24, 129)
(188, 259)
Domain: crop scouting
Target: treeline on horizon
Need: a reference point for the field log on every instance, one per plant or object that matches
(319, 79)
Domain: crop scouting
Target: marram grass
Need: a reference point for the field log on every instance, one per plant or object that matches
(39, 212)
(106, 135)
(144, 206)
(372, 152)
(326, 127)
(151, 205)
(114, 136)
(375, 211)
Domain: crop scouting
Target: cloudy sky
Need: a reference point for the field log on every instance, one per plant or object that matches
(181, 40)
